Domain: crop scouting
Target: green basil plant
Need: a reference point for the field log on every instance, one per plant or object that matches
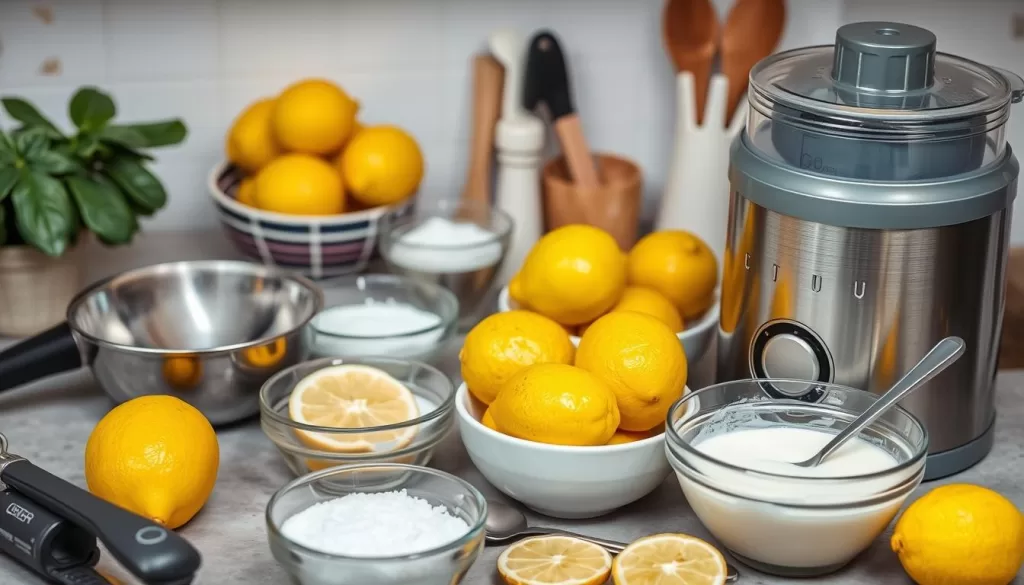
(52, 184)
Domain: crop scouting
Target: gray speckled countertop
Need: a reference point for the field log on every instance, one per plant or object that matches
(49, 422)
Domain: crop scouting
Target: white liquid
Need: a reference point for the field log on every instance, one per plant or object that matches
(441, 246)
(776, 449)
(770, 519)
(389, 329)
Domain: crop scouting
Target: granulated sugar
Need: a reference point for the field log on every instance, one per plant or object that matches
(374, 525)
(440, 245)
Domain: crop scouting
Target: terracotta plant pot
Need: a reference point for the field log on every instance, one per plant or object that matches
(35, 289)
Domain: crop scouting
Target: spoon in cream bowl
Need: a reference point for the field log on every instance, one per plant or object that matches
(506, 524)
(932, 364)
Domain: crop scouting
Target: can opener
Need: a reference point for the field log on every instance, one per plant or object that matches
(51, 527)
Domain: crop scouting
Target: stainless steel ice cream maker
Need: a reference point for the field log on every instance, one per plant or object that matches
(870, 215)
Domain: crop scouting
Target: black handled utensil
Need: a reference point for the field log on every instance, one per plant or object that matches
(154, 554)
(547, 82)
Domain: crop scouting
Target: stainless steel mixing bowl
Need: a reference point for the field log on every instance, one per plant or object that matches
(209, 333)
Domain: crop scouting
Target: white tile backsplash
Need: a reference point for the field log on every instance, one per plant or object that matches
(156, 40)
(406, 61)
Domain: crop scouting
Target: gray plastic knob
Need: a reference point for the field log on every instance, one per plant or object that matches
(884, 56)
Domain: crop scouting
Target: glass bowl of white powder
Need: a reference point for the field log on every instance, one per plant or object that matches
(383, 315)
(432, 390)
(734, 455)
(460, 245)
(339, 527)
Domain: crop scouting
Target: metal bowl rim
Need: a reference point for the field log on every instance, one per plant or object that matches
(240, 266)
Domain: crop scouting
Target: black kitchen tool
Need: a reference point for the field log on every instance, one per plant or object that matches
(547, 82)
(51, 527)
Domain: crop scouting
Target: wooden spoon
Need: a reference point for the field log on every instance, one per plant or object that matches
(690, 30)
(752, 31)
(488, 80)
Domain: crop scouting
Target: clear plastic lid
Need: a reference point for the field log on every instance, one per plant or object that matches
(881, 82)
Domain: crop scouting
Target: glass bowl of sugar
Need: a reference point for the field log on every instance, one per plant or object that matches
(432, 391)
(734, 447)
(383, 315)
(459, 245)
(339, 527)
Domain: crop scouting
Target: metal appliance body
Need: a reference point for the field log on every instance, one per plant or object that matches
(846, 264)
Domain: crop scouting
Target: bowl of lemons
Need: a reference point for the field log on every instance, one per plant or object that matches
(577, 274)
(570, 432)
(305, 183)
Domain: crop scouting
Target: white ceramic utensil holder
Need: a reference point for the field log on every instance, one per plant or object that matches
(696, 197)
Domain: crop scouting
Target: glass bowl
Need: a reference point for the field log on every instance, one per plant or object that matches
(424, 343)
(467, 269)
(433, 391)
(794, 525)
(444, 565)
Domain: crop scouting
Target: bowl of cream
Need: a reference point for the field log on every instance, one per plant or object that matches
(734, 453)
(383, 315)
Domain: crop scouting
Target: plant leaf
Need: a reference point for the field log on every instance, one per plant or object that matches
(27, 114)
(137, 183)
(86, 146)
(118, 149)
(43, 211)
(7, 152)
(31, 142)
(8, 177)
(103, 209)
(156, 134)
(91, 109)
(54, 162)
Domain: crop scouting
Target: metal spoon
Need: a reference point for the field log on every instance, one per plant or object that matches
(939, 358)
(505, 524)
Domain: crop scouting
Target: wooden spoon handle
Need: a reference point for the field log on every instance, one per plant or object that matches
(577, 153)
(488, 81)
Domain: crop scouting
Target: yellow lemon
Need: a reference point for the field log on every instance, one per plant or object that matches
(300, 184)
(680, 266)
(648, 301)
(556, 404)
(663, 559)
(504, 343)
(182, 372)
(488, 420)
(554, 560)
(352, 396)
(250, 143)
(246, 193)
(622, 437)
(156, 456)
(642, 362)
(573, 274)
(960, 533)
(314, 116)
(382, 165)
(267, 355)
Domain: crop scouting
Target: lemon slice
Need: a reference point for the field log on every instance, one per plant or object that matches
(554, 560)
(669, 559)
(353, 397)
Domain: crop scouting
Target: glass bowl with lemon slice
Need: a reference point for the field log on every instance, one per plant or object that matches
(334, 412)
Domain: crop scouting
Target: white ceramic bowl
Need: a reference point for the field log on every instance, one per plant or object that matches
(556, 480)
(696, 339)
